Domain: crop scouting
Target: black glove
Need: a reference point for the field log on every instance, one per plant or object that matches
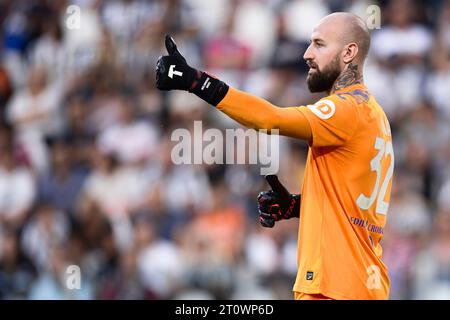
(173, 72)
(277, 204)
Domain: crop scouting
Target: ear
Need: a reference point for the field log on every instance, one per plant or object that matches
(350, 52)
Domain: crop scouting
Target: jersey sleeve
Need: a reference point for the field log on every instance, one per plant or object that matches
(333, 120)
(257, 113)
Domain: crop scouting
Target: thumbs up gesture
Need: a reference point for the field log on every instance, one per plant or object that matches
(172, 70)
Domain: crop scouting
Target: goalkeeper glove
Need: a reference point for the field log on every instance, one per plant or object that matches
(277, 204)
(173, 72)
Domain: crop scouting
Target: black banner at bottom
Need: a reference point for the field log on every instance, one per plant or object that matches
(213, 309)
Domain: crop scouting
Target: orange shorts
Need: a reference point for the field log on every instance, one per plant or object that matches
(307, 296)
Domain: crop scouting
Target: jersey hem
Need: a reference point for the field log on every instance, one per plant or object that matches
(326, 293)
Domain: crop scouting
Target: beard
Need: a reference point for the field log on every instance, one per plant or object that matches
(320, 81)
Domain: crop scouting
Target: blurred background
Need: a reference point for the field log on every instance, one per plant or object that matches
(86, 176)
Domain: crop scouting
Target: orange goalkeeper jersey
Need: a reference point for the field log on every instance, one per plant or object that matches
(346, 188)
(345, 198)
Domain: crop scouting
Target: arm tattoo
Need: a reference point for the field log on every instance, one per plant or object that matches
(348, 77)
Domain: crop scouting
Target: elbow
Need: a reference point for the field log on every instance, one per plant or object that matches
(269, 121)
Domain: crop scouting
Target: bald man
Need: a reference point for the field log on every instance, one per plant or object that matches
(348, 177)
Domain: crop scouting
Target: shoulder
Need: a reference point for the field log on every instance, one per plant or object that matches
(326, 107)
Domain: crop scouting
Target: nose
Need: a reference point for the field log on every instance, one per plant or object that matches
(308, 54)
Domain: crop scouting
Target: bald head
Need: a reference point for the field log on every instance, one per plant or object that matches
(347, 28)
(339, 45)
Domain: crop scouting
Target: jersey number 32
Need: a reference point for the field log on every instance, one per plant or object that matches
(385, 150)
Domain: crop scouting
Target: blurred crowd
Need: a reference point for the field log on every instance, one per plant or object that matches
(86, 176)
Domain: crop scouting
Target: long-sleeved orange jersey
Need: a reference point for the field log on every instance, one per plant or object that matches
(346, 188)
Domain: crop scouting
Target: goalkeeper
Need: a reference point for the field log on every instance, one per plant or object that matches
(346, 190)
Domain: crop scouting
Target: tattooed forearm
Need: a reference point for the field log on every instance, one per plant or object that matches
(347, 78)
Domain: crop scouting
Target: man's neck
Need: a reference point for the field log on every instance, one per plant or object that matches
(351, 75)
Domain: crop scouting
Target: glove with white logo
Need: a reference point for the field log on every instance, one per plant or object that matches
(173, 73)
